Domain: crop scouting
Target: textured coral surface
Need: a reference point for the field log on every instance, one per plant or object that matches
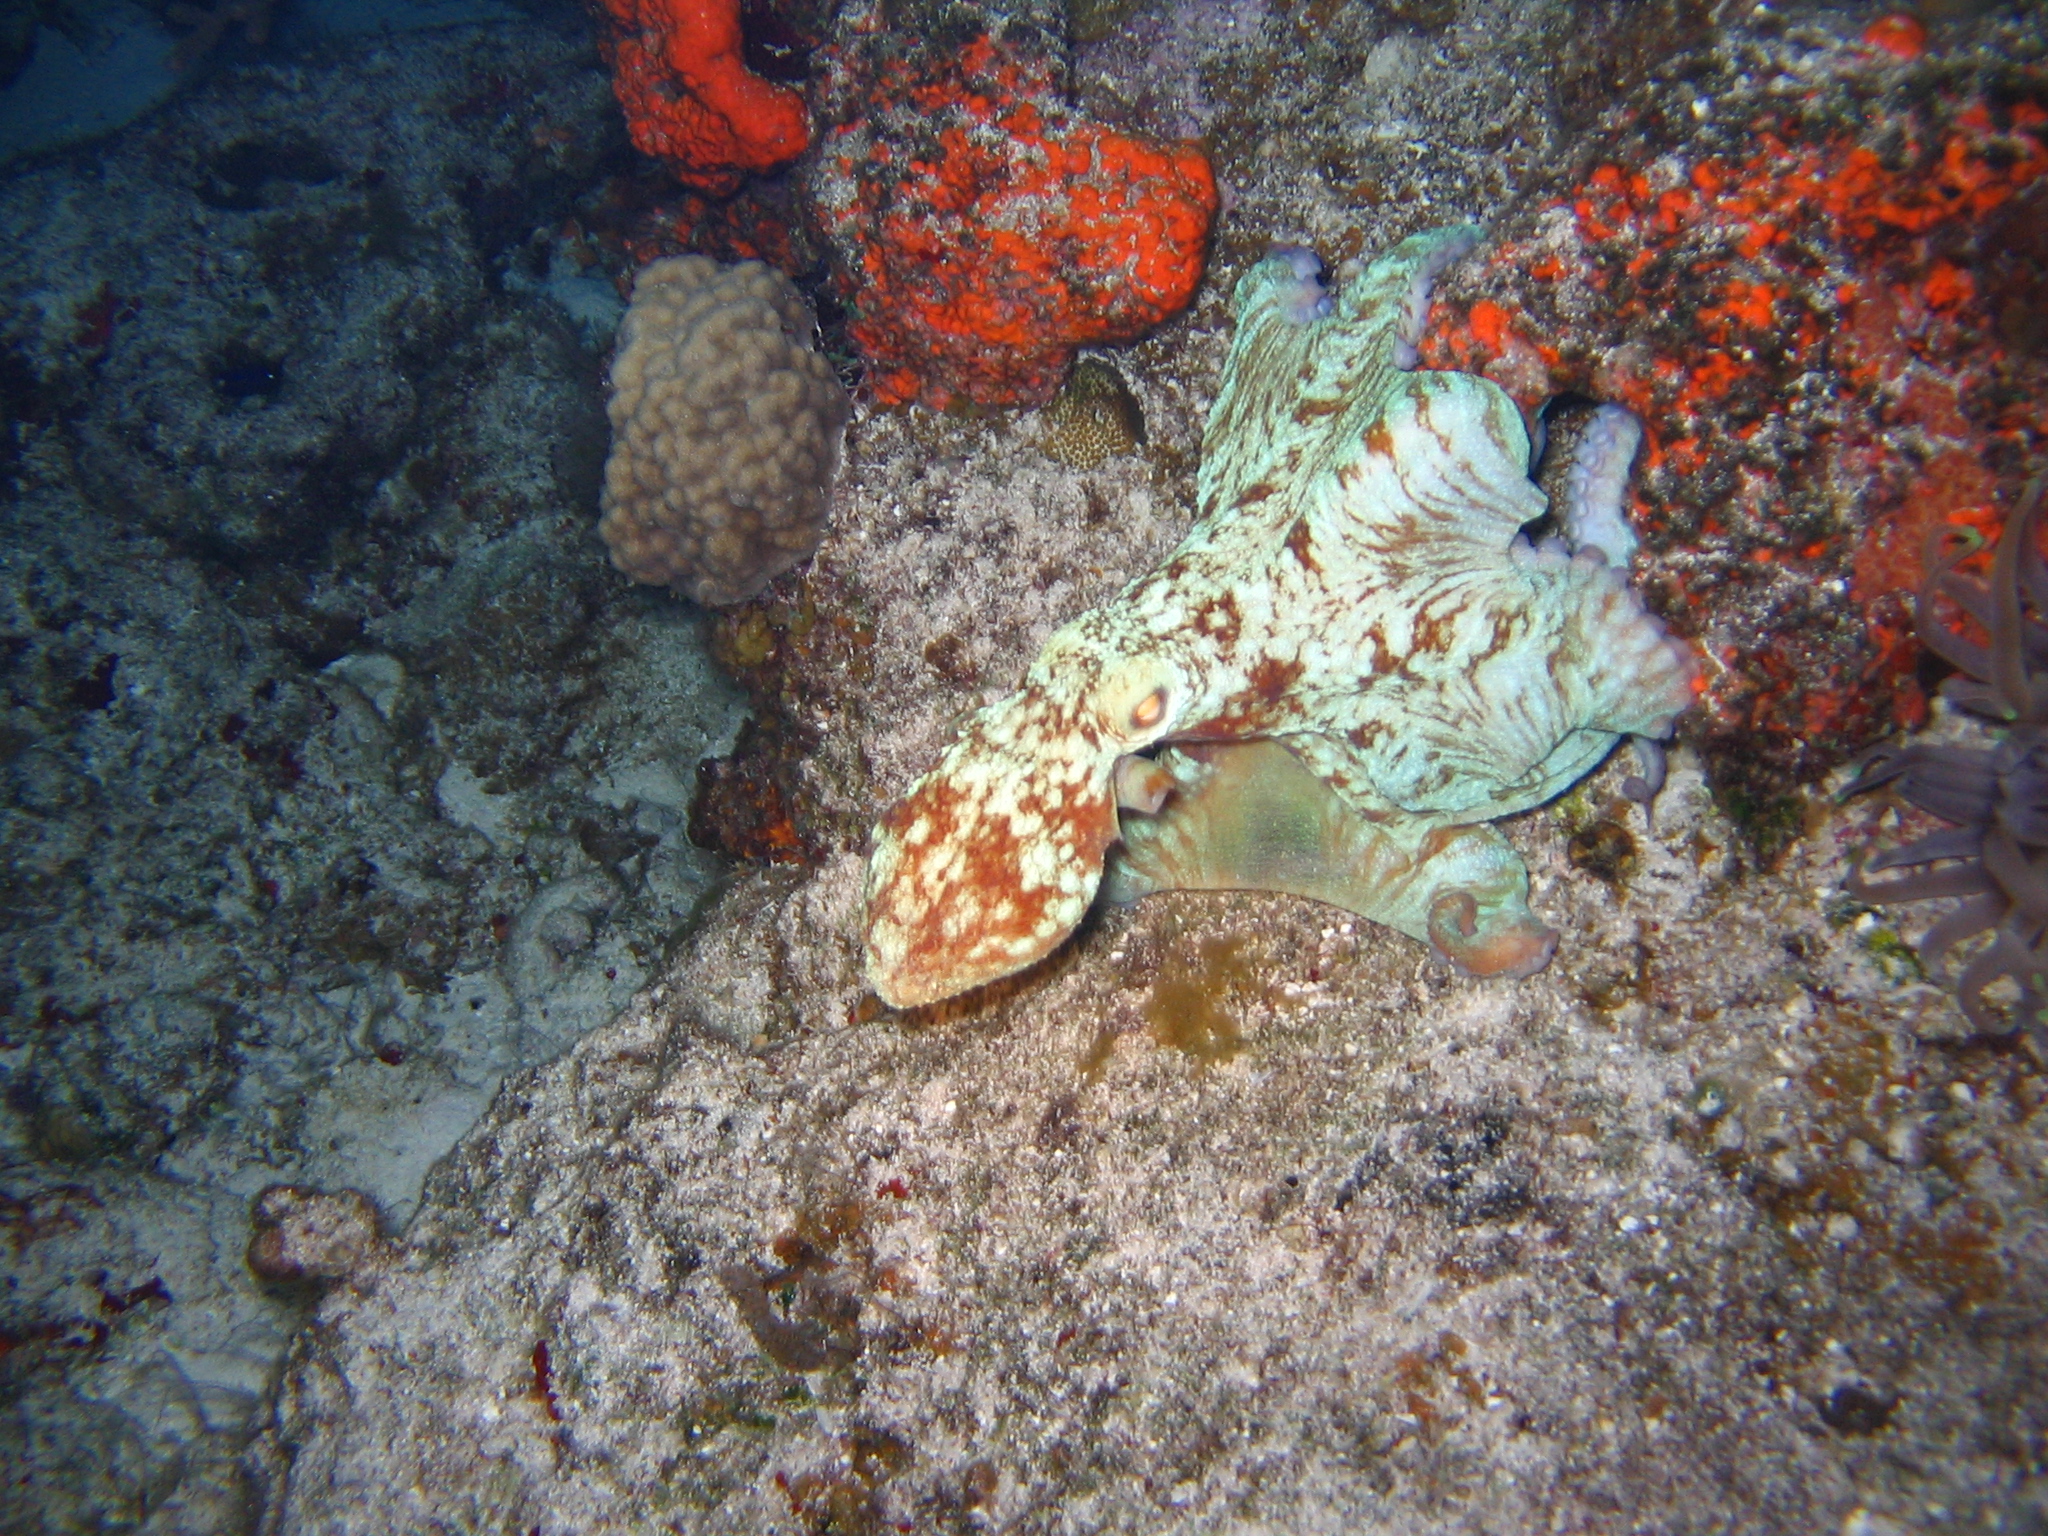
(982, 230)
(339, 773)
(726, 427)
(1347, 1245)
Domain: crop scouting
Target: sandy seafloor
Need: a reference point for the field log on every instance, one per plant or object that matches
(345, 843)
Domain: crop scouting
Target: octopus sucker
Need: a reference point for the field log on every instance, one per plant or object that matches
(1402, 667)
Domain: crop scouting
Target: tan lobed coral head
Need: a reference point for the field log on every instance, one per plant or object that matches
(726, 431)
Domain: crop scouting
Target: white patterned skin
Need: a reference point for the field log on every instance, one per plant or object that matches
(1356, 587)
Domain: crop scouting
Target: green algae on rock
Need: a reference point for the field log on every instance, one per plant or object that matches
(1357, 588)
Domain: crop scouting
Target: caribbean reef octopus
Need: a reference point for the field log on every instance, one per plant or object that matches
(1362, 653)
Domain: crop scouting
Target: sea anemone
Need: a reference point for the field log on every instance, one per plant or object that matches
(1996, 854)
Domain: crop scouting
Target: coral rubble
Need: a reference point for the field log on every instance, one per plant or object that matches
(341, 776)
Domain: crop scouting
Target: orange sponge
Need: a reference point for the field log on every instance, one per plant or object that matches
(678, 71)
(983, 231)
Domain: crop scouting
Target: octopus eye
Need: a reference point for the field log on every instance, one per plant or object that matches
(1136, 699)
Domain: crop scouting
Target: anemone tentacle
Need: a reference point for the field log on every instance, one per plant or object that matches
(1995, 853)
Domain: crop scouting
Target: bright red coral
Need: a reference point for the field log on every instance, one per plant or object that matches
(689, 98)
(983, 231)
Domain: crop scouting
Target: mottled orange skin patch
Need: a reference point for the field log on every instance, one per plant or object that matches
(1220, 621)
(988, 877)
(1301, 544)
(1258, 709)
(978, 876)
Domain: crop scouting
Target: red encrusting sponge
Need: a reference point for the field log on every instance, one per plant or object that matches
(679, 72)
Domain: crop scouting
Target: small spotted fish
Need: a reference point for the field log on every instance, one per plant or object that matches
(1355, 660)
(1095, 418)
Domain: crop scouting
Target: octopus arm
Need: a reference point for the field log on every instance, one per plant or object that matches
(1253, 816)
(1296, 397)
(1434, 490)
(992, 858)
(1534, 676)
(1623, 672)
